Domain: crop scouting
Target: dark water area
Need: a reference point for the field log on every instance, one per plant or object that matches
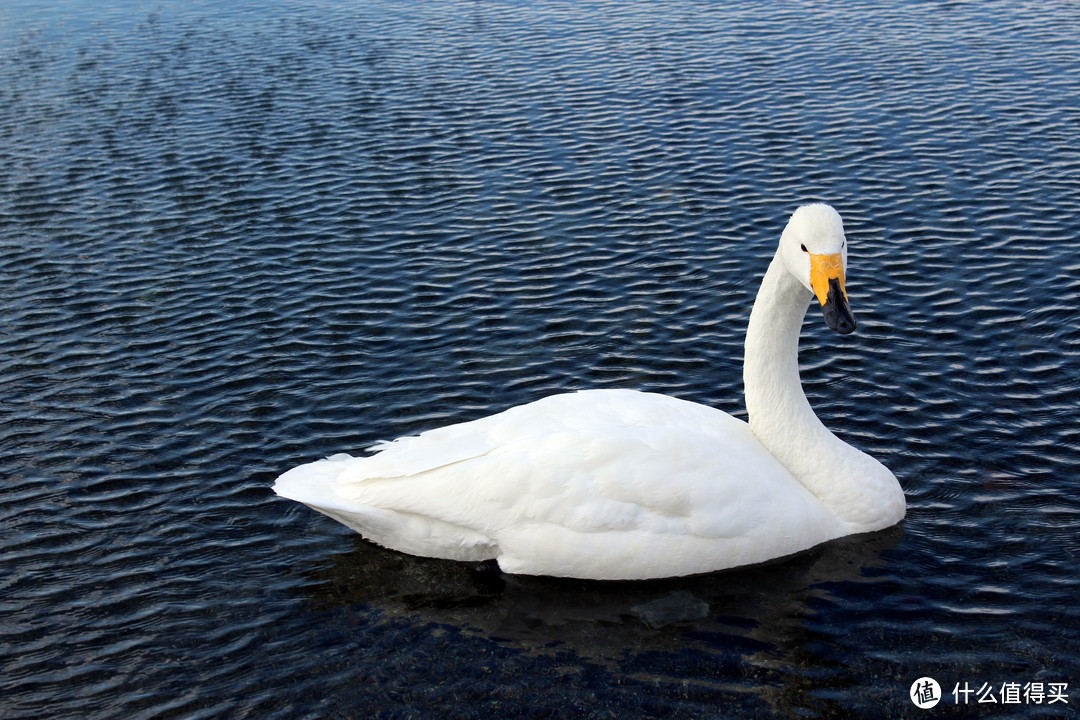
(235, 237)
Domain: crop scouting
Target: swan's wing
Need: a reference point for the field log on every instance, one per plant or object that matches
(594, 484)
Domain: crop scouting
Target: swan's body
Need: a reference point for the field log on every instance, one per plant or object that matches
(620, 484)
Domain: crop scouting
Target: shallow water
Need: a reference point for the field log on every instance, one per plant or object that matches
(234, 239)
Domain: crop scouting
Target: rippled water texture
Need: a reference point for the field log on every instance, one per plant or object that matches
(239, 236)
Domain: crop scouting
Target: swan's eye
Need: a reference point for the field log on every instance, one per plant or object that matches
(804, 248)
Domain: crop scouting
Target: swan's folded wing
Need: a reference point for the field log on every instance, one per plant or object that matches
(613, 484)
(417, 454)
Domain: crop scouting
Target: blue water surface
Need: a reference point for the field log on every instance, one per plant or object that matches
(239, 236)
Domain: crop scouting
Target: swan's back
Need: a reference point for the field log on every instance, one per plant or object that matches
(612, 484)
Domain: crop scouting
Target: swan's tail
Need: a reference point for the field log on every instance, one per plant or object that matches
(318, 485)
(315, 483)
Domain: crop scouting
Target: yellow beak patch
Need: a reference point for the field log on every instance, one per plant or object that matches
(824, 268)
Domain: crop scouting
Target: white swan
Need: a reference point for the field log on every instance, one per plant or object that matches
(620, 484)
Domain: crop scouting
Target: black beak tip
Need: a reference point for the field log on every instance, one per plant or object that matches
(842, 321)
(838, 315)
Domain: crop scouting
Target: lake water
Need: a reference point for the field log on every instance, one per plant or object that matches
(239, 236)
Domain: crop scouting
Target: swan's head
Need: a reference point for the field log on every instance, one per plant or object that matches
(814, 250)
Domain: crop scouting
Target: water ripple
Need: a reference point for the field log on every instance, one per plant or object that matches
(239, 237)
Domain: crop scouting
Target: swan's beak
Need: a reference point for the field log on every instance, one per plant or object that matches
(827, 281)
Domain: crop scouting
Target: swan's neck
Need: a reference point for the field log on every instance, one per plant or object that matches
(855, 486)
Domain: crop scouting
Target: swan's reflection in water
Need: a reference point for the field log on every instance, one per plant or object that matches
(754, 632)
(759, 610)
